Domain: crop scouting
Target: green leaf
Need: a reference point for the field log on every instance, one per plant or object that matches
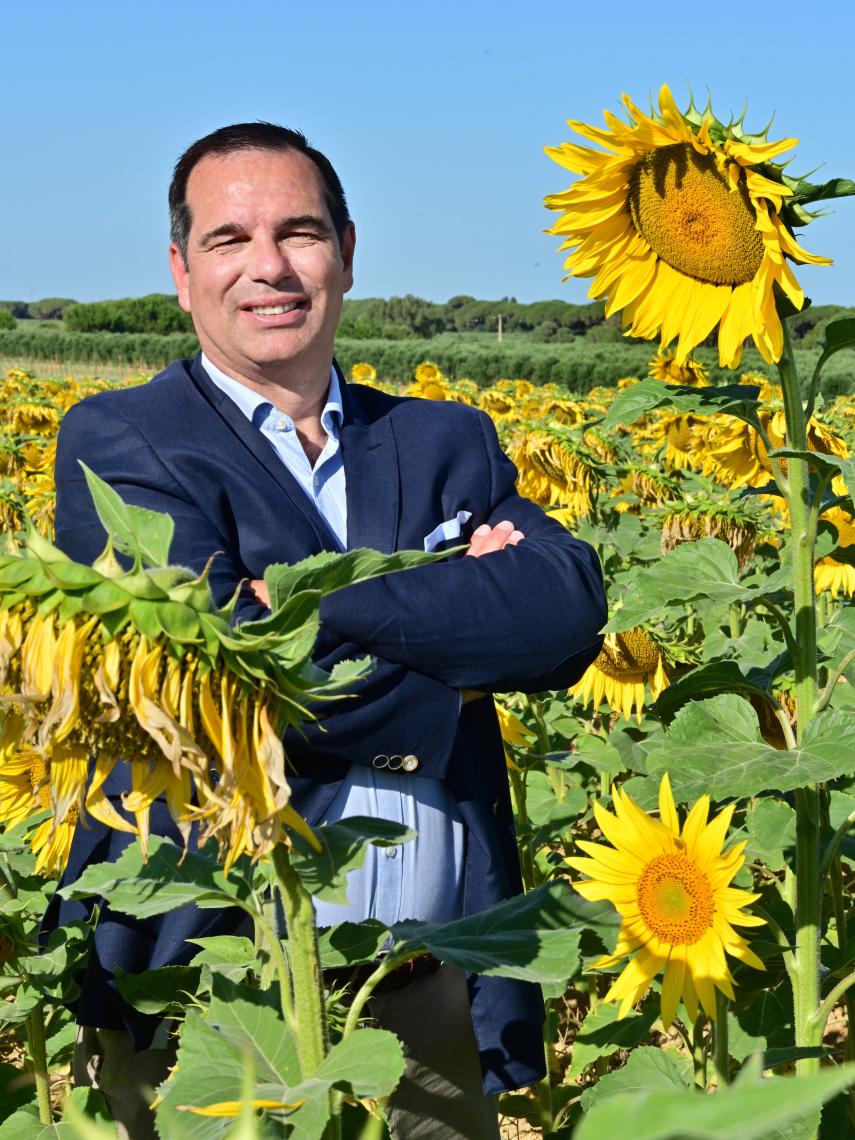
(601, 754)
(534, 937)
(771, 825)
(165, 990)
(135, 531)
(231, 955)
(328, 571)
(692, 572)
(706, 680)
(169, 879)
(738, 400)
(647, 1068)
(603, 1033)
(350, 943)
(833, 188)
(370, 1063)
(743, 1111)
(820, 461)
(343, 848)
(715, 747)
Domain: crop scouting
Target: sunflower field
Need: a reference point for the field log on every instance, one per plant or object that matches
(683, 814)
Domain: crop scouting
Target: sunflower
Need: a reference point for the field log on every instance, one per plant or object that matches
(829, 574)
(429, 383)
(664, 366)
(685, 224)
(618, 675)
(554, 470)
(513, 732)
(362, 373)
(671, 886)
(734, 521)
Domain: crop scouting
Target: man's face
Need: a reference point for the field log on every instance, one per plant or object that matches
(265, 273)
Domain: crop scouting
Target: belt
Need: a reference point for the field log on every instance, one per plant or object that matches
(354, 977)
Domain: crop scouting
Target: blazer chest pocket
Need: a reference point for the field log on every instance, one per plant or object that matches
(446, 531)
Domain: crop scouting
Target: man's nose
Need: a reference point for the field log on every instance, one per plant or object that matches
(269, 260)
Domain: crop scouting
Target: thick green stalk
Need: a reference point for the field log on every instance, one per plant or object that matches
(38, 1057)
(309, 1004)
(721, 1053)
(805, 974)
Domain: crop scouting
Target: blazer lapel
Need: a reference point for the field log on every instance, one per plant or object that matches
(265, 454)
(371, 473)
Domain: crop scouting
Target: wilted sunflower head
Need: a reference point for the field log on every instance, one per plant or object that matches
(626, 662)
(664, 366)
(685, 223)
(734, 520)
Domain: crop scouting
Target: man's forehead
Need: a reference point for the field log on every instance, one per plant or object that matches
(249, 175)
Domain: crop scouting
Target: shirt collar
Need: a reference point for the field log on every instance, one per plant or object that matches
(255, 407)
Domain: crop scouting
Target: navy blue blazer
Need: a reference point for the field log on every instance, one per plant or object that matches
(526, 620)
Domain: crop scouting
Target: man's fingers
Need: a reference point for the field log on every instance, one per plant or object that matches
(486, 539)
(259, 588)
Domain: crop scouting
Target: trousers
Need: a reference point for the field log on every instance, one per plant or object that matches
(438, 1098)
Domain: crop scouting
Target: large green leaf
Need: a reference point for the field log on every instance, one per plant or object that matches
(603, 1033)
(715, 747)
(329, 571)
(826, 464)
(534, 937)
(349, 943)
(748, 1110)
(343, 848)
(735, 399)
(694, 571)
(166, 990)
(168, 879)
(771, 826)
(135, 531)
(369, 1062)
(647, 1068)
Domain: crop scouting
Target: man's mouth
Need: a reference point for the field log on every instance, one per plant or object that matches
(274, 310)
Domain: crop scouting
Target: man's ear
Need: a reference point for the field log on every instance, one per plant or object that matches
(348, 244)
(180, 275)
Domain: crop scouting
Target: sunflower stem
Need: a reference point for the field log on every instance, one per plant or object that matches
(721, 1054)
(309, 1003)
(38, 1058)
(524, 824)
(833, 677)
(805, 974)
(699, 1052)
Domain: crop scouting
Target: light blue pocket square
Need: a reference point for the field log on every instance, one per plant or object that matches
(446, 530)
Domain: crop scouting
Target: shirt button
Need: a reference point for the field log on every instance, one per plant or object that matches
(391, 852)
(410, 763)
(280, 425)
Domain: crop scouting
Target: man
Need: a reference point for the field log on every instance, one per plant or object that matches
(262, 453)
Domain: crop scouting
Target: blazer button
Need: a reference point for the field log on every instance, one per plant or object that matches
(380, 761)
(410, 763)
(395, 762)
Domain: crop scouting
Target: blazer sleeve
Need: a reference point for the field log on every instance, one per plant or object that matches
(396, 709)
(527, 617)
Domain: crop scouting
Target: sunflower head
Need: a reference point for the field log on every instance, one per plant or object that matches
(685, 223)
(671, 886)
(692, 373)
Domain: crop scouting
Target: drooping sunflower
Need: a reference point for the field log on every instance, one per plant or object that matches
(554, 470)
(671, 886)
(664, 366)
(829, 574)
(685, 223)
(625, 663)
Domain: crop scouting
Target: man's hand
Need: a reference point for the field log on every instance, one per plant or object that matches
(259, 588)
(486, 539)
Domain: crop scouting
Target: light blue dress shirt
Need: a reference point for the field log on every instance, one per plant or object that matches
(422, 879)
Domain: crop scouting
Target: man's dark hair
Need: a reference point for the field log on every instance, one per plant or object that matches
(249, 136)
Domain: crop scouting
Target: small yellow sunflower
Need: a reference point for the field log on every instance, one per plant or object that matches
(829, 574)
(618, 675)
(685, 224)
(671, 886)
(362, 373)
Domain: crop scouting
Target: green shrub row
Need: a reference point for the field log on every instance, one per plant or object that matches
(578, 367)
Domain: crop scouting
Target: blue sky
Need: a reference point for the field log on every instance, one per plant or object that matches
(435, 118)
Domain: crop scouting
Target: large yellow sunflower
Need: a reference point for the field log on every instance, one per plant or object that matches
(684, 223)
(671, 887)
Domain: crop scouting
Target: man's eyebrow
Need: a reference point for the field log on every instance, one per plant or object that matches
(293, 222)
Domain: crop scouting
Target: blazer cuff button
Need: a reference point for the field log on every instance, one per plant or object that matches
(410, 763)
(380, 761)
(395, 762)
